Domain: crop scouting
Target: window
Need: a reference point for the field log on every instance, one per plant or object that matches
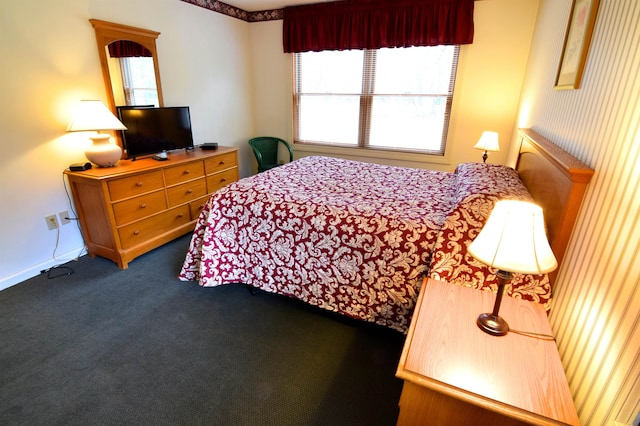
(397, 99)
(139, 81)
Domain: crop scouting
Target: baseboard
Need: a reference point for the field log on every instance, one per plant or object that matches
(18, 277)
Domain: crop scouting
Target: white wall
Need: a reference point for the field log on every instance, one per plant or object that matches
(488, 84)
(272, 81)
(50, 62)
(490, 77)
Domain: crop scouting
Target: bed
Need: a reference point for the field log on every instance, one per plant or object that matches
(357, 238)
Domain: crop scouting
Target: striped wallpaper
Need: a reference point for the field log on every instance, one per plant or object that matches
(596, 311)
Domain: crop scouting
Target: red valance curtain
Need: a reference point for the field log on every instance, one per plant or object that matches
(373, 24)
(127, 49)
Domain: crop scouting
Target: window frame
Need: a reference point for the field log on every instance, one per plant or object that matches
(129, 88)
(366, 102)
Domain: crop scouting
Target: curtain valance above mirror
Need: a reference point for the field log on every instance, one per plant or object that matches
(128, 49)
(374, 24)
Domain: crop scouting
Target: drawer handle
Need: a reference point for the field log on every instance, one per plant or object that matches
(223, 180)
(143, 206)
(186, 172)
(136, 232)
(180, 215)
(138, 183)
(189, 191)
(222, 162)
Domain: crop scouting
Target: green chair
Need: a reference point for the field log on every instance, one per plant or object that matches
(265, 149)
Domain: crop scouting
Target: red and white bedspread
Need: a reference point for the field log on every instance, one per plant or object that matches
(346, 236)
(350, 237)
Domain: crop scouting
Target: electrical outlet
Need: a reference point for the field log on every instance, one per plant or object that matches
(52, 222)
(64, 217)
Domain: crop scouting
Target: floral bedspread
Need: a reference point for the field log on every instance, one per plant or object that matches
(351, 237)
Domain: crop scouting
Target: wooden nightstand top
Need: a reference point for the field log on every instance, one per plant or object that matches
(514, 375)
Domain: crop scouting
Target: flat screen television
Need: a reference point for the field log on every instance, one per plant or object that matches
(155, 130)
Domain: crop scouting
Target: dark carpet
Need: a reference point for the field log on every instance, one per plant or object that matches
(104, 346)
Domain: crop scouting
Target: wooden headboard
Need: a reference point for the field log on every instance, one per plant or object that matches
(557, 182)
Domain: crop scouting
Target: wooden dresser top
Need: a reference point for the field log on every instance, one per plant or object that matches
(148, 163)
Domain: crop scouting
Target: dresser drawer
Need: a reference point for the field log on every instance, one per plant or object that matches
(186, 192)
(220, 162)
(139, 207)
(195, 207)
(219, 180)
(146, 229)
(183, 173)
(127, 187)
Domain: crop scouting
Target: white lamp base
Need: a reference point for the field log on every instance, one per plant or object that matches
(103, 153)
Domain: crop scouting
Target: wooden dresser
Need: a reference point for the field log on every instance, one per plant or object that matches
(456, 374)
(136, 206)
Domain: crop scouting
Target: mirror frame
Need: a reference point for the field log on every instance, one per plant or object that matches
(108, 32)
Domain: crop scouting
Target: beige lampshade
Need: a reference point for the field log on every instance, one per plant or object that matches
(95, 116)
(514, 239)
(488, 142)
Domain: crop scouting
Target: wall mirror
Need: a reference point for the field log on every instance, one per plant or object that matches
(129, 61)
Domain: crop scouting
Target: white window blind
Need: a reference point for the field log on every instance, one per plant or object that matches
(393, 99)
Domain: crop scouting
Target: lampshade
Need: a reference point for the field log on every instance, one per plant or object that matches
(95, 116)
(514, 239)
(488, 142)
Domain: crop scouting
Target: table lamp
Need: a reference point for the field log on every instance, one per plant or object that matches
(95, 116)
(513, 241)
(488, 142)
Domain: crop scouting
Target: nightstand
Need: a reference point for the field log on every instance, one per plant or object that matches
(455, 374)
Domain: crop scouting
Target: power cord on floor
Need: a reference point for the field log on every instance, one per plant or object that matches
(53, 271)
(65, 270)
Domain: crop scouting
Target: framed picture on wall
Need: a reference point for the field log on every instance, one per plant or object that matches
(576, 43)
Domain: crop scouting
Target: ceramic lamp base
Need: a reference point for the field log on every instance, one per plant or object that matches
(102, 152)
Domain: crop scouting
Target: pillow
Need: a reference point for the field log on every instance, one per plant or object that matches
(489, 179)
(479, 187)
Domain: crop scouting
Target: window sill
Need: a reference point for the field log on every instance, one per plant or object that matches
(364, 154)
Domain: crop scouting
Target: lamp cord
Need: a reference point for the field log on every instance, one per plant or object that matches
(505, 277)
(540, 336)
